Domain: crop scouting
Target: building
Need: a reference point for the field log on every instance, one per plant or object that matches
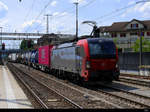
(126, 29)
(48, 39)
(126, 33)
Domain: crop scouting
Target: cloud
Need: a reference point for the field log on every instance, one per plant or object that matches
(141, 9)
(32, 26)
(62, 22)
(118, 1)
(3, 6)
(66, 23)
(3, 22)
(144, 8)
(55, 13)
(53, 3)
(3, 10)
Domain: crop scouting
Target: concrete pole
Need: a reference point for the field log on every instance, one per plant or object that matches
(47, 23)
(140, 48)
(76, 3)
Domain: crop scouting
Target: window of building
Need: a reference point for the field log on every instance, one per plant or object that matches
(113, 35)
(134, 26)
(142, 33)
(133, 33)
(148, 33)
(122, 34)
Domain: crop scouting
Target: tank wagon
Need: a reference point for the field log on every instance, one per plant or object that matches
(34, 58)
(12, 57)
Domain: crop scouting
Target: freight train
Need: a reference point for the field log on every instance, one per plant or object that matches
(91, 59)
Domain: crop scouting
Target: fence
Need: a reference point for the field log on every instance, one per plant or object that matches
(130, 61)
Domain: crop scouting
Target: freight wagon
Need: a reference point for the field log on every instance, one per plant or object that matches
(44, 60)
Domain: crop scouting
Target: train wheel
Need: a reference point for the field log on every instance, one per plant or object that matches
(109, 80)
(63, 75)
(78, 79)
(60, 74)
(56, 73)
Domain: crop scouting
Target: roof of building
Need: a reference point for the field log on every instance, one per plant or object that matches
(121, 26)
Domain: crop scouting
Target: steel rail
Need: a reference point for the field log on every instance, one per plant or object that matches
(134, 81)
(28, 88)
(79, 90)
(127, 99)
(65, 98)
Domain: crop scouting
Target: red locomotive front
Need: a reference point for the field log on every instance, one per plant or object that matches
(99, 59)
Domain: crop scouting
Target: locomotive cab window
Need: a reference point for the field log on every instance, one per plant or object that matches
(80, 51)
(104, 49)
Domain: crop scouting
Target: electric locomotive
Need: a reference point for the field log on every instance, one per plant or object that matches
(92, 59)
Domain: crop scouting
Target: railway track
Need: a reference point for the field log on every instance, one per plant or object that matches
(52, 99)
(139, 101)
(122, 98)
(77, 93)
(135, 76)
(145, 83)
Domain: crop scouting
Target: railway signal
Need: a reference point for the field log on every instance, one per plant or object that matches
(3, 46)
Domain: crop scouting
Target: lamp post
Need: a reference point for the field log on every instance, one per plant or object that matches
(76, 3)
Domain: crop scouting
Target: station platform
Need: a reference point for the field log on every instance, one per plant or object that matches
(11, 95)
(129, 72)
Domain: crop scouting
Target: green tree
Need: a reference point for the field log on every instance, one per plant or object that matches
(115, 41)
(26, 44)
(145, 45)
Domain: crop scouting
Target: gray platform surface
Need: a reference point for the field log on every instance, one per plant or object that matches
(11, 95)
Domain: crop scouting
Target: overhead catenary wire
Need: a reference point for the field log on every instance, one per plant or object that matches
(40, 13)
(70, 11)
(90, 2)
(29, 11)
(104, 16)
(111, 17)
(120, 9)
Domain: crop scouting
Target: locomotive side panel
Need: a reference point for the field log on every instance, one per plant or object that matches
(64, 59)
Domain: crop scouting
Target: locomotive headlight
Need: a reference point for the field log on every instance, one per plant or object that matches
(88, 65)
(117, 66)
